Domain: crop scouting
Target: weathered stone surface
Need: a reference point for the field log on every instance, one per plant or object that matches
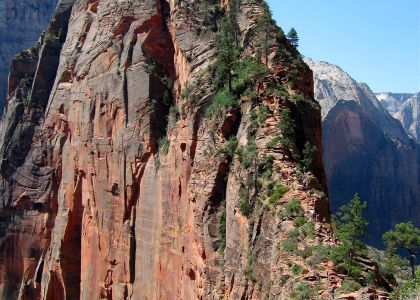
(108, 193)
(406, 109)
(366, 152)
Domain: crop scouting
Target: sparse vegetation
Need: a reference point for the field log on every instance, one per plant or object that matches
(227, 52)
(293, 38)
(163, 144)
(278, 192)
(308, 229)
(223, 99)
(187, 91)
(297, 270)
(404, 237)
(231, 146)
(173, 114)
(289, 245)
(292, 209)
(320, 255)
(350, 226)
(408, 290)
(309, 153)
(300, 221)
(286, 126)
(247, 154)
(26, 101)
(47, 38)
(296, 97)
(349, 286)
(263, 30)
(247, 70)
(278, 90)
(306, 252)
(249, 273)
(303, 291)
(245, 206)
(150, 68)
(273, 142)
(27, 81)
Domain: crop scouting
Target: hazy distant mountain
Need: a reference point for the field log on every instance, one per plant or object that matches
(393, 101)
(406, 109)
(21, 22)
(366, 151)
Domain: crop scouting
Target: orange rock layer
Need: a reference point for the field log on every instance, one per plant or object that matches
(94, 206)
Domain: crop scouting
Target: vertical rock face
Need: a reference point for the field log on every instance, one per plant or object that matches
(366, 152)
(409, 116)
(406, 109)
(21, 22)
(116, 184)
(392, 102)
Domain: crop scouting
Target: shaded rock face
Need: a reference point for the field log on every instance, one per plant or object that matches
(406, 109)
(21, 22)
(107, 193)
(366, 151)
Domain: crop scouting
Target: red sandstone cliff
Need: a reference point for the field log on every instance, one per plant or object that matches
(93, 208)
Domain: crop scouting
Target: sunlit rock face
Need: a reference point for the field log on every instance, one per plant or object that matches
(406, 109)
(366, 151)
(21, 22)
(114, 179)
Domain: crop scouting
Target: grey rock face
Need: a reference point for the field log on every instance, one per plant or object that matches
(409, 116)
(21, 22)
(392, 102)
(366, 151)
(404, 108)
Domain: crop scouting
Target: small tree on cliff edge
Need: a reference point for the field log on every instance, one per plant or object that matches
(350, 226)
(404, 237)
(227, 48)
(263, 28)
(293, 38)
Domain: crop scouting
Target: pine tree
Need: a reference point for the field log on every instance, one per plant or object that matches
(350, 226)
(287, 127)
(263, 28)
(404, 237)
(293, 38)
(227, 42)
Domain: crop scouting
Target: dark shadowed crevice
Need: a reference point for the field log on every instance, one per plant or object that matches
(71, 247)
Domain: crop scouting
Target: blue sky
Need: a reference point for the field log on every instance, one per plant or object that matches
(375, 41)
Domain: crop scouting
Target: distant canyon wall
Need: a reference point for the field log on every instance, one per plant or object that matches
(21, 22)
(366, 151)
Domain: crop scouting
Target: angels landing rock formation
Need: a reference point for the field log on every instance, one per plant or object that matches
(117, 182)
(21, 22)
(367, 151)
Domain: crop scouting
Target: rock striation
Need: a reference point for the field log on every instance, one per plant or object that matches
(108, 192)
(119, 182)
(21, 23)
(366, 151)
(406, 109)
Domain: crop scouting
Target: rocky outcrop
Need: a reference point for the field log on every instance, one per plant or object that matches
(21, 23)
(126, 175)
(366, 151)
(116, 183)
(406, 109)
